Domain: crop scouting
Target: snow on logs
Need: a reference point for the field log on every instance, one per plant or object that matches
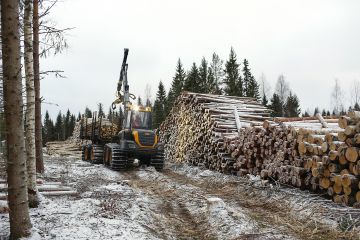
(321, 155)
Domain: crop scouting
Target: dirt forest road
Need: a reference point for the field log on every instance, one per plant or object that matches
(180, 202)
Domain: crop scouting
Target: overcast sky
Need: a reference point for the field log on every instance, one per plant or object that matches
(310, 42)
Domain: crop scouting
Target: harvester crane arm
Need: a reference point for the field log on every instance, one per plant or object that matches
(125, 98)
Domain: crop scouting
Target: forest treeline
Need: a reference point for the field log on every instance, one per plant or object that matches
(233, 78)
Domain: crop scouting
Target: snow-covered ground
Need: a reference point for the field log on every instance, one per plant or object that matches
(180, 202)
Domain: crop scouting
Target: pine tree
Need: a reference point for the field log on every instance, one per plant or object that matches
(328, 113)
(192, 80)
(78, 117)
(276, 106)
(323, 112)
(159, 106)
(88, 113)
(292, 106)
(216, 72)
(232, 80)
(101, 110)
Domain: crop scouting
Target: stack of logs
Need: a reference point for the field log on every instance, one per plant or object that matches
(323, 157)
(102, 127)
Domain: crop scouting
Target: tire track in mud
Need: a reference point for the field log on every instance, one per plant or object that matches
(173, 205)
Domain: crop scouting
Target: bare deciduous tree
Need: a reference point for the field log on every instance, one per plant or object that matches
(30, 106)
(16, 166)
(355, 92)
(337, 97)
(282, 88)
(264, 86)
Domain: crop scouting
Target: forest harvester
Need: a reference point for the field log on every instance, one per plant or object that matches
(135, 144)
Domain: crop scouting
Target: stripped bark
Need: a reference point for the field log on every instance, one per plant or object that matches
(16, 166)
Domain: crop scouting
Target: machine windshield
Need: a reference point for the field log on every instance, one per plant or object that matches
(141, 120)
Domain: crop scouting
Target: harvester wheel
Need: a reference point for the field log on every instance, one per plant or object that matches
(157, 160)
(96, 154)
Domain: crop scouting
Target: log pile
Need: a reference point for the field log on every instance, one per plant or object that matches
(318, 154)
(101, 127)
(199, 124)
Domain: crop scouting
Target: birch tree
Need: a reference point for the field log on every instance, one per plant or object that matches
(30, 105)
(355, 93)
(16, 165)
(282, 88)
(337, 97)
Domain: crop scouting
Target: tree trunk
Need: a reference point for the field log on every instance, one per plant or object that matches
(16, 166)
(38, 125)
(30, 106)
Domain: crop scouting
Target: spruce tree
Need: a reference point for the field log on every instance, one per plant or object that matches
(216, 72)
(192, 80)
(177, 84)
(203, 77)
(292, 106)
(59, 127)
(253, 89)
(306, 114)
(316, 110)
(78, 117)
(212, 86)
(159, 106)
(246, 78)
(48, 129)
(88, 113)
(110, 114)
(139, 101)
(178, 80)
(323, 112)
(356, 107)
(264, 100)
(101, 110)
(67, 127)
(232, 80)
(276, 106)
(72, 124)
(328, 113)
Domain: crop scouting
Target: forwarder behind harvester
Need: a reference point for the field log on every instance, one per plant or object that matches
(136, 143)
